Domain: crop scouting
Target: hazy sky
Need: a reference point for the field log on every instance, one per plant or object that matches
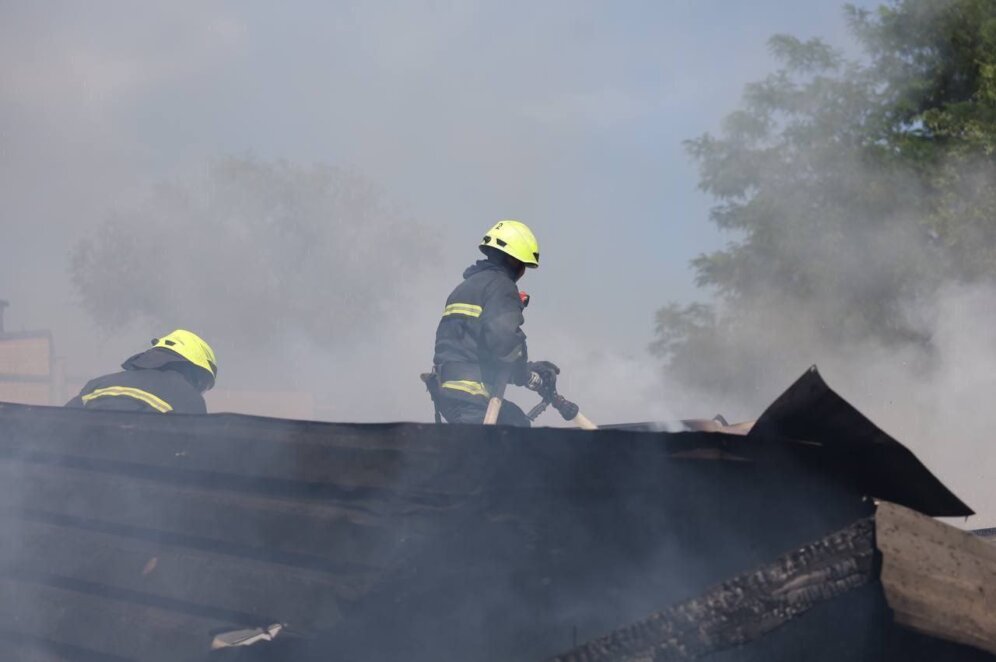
(567, 114)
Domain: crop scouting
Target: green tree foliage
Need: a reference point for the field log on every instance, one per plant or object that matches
(852, 190)
(253, 251)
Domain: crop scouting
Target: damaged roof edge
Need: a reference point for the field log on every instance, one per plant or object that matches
(837, 437)
(812, 411)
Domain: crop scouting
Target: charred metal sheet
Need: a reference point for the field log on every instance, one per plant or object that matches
(885, 469)
(743, 609)
(938, 579)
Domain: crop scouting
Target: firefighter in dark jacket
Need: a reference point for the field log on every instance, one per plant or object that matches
(170, 378)
(479, 340)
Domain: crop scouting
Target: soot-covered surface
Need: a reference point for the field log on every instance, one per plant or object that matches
(130, 536)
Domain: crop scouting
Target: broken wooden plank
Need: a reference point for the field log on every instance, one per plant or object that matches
(745, 608)
(938, 579)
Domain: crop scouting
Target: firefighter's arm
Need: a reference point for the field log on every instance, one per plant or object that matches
(501, 323)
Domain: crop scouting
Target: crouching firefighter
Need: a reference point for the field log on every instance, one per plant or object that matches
(169, 378)
(480, 346)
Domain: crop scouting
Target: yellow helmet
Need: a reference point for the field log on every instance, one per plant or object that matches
(514, 238)
(191, 347)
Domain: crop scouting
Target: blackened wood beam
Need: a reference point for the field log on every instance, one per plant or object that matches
(745, 608)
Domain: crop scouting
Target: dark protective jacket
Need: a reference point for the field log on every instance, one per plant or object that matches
(479, 338)
(152, 381)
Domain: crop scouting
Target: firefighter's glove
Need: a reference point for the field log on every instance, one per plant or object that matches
(543, 378)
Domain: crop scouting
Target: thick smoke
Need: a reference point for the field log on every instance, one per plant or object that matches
(280, 267)
(926, 379)
(850, 249)
(939, 403)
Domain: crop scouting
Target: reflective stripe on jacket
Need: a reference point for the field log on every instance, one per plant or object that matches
(163, 391)
(154, 401)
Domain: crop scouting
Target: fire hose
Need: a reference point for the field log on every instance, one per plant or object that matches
(570, 411)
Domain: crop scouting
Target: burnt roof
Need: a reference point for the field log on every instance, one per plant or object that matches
(140, 535)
